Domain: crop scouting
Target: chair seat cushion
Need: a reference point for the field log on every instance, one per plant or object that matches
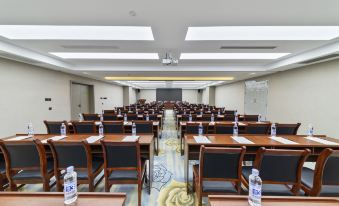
(307, 177)
(246, 172)
(123, 175)
(329, 191)
(218, 187)
(96, 164)
(33, 174)
(276, 190)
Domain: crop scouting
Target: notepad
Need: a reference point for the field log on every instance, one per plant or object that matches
(125, 123)
(283, 140)
(322, 141)
(201, 139)
(97, 123)
(92, 139)
(242, 140)
(55, 138)
(240, 123)
(18, 138)
(130, 139)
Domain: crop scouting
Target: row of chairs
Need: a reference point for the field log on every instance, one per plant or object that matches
(251, 128)
(227, 117)
(198, 112)
(109, 117)
(89, 127)
(221, 170)
(30, 163)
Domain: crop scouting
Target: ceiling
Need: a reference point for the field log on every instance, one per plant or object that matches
(169, 21)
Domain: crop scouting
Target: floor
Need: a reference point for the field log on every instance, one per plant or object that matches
(168, 187)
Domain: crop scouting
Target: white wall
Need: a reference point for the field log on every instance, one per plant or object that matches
(23, 88)
(132, 96)
(148, 94)
(306, 95)
(205, 96)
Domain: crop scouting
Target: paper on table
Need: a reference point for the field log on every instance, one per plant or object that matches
(92, 139)
(201, 139)
(55, 138)
(97, 123)
(130, 139)
(242, 140)
(283, 140)
(322, 141)
(19, 138)
(240, 123)
(125, 123)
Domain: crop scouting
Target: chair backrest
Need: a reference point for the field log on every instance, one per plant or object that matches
(21, 155)
(193, 128)
(91, 117)
(221, 163)
(331, 169)
(144, 127)
(229, 117)
(206, 117)
(186, 117)
(251, 118)
(109, 111)
(131, 117)
(152, 117)
(113, 151)
(229, 112)
(257, 128)
(113, 127)
(223, 128)
(53, 127)
(65, 154)
(84, 127)
(287, 129)
(279, 166)
(110, 117)
(2, 163)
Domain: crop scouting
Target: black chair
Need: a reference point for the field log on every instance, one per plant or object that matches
(110, 117)
(131, 117)
(91, 117)
(229, 117)
(109, 111)
(219, 171)
(257, 128)
(193, 128)
(27, 163)
(53, 127)
(79, 155)
(223, 128)
(3, 178)
(153, 117)
(84, 127)
(287, 129)
(280, 171)
(324, 180)
(113, 127)
(206, 117)
(127, 170)
(186, 117)
(144, 127)
(229, 112)
(250, 118)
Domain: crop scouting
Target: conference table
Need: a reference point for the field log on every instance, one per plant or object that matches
(199, 118)
(222, 200)
(57, 199)
(241, 127)
(128, 129)
(253, 143)
(146, 142)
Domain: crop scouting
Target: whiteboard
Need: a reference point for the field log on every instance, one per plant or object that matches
(256, 98)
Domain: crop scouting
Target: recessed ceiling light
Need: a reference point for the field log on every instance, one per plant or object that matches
(49, 32)
(263, 33)
(232, 55)
(71, 55)
(171, 78)
(253, 73)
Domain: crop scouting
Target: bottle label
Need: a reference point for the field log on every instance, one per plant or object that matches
(70, 190)
(255, 192)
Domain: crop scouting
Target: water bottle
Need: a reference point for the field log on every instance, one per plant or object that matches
(212, 117)
(218, 111)
(236, 118)
(254, 191)
(81, 118)
(190, 117)
(273, 130)
(70, 186)
(235, 130)
(125, 117)
(201, 112)
(101, 130)
(153, 111)
(184, 111)
(119, 112)
(147, 117)
(63, 130)
(259, 118)
(134, 129)
(102, 117)
(310, 131)
(200, 130)
(30, 130)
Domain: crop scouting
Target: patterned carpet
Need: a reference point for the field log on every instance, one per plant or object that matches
(168, 187)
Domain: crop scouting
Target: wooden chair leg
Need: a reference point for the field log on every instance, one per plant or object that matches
(46, 186)
(139, 193)
(1, 183)
(107, 187)
(59, 186)
(91, 185)
(12, 187)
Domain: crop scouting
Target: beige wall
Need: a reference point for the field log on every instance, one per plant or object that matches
(306, 95)
(189, 95)
(23, 88)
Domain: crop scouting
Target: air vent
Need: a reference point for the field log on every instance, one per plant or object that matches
(248, 47)
(88, 47)
(323, 58)
(18, 58)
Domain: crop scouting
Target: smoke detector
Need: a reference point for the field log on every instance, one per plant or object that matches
(169, 60)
